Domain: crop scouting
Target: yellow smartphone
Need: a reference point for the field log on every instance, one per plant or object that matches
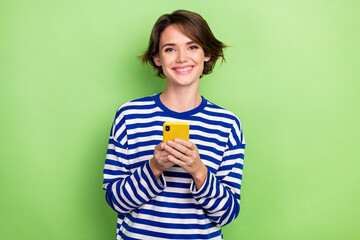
(173, 130)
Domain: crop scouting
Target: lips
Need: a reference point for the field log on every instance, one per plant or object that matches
(183, 69)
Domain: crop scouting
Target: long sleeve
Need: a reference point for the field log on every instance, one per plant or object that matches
(126, 190)
(171, 207)
(220, 194)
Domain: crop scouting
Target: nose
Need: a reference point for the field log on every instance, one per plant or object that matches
(181, 56)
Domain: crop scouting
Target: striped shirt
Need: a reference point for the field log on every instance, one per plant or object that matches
(172, 207)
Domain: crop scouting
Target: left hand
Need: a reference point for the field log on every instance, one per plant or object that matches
(186, 155)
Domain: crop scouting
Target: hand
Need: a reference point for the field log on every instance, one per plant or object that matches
(186, 155)
(160, 162)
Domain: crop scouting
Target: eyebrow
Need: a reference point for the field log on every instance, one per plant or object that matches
(173, 44)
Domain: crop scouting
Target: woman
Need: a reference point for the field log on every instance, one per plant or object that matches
(179, 189)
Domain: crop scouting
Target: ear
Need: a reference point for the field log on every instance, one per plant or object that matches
(157, 60)
(207, 58)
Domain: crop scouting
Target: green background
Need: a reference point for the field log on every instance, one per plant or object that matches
(291, 75)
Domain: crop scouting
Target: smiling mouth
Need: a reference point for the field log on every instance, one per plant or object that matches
(183, 69)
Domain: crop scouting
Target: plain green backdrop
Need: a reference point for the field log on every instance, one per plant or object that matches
(291, 75)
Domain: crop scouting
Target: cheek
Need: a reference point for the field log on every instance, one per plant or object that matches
(200, 58)
(166, 61)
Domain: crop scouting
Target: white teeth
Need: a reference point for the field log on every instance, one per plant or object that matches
(183, 69)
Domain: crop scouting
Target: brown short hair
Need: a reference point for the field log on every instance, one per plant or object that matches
(194, 27)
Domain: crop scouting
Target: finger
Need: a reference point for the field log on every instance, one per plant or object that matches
(174, 152)
(164, 154)
(176, 161)
(162, 145)
(187, 144)
(179, 147)
(158, 147)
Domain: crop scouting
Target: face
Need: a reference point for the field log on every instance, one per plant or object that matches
(182, 60)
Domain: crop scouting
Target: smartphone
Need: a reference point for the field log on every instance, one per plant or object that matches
(173, 130)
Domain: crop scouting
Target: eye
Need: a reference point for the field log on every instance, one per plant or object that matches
(169, 49)
(193, 47)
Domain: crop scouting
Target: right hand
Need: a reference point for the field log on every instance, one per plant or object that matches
(159, 162)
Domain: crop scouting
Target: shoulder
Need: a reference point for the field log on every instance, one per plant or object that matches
(133, 107)
(230, 118)
(221, 112)
(136, 104)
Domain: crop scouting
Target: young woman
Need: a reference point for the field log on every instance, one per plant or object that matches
(179, 189)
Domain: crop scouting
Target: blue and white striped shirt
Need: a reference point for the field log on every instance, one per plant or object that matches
(172, 208)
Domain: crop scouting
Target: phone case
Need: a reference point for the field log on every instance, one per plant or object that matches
(173, 130)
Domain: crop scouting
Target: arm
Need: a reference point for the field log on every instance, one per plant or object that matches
(126, 190)
(220, 194)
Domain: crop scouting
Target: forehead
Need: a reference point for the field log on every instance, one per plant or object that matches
(173, 34)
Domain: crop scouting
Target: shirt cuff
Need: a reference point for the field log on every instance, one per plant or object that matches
(205, 188)
(159, 184)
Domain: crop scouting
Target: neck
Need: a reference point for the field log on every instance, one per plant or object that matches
(181, 99)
